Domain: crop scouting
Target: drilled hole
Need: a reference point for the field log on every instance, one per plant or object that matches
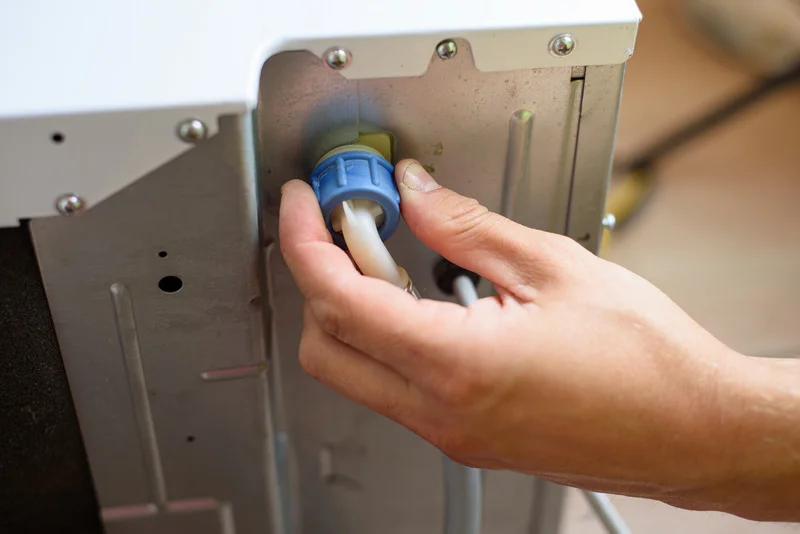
(57, 137)
(189, 439)
(162, 254)
(170, 284)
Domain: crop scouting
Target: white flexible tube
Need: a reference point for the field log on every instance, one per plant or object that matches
(358, 221)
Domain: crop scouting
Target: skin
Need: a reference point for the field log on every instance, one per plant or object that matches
(579, 371)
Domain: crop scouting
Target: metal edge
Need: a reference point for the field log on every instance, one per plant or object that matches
(595, 153)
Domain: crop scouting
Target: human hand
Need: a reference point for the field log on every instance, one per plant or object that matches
(579, 371)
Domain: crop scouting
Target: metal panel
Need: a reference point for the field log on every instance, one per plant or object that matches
(95, 156)
(595, 153)
(119, 99)
(480, 133)
(319, 112)
(484, 134)
(170, 388)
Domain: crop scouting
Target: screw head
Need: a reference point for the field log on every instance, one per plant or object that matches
(338, 58)
(192, 131)
(609, 222)
(447, 49)
(70, 205)
(562, 45)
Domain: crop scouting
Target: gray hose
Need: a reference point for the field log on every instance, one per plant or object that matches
(464, 290)
(606, 513)
(463, 491)
(462, 498)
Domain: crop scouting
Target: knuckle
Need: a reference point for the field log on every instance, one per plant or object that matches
(468, 218)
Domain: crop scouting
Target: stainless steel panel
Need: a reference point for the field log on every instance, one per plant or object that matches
(174, 391)
(304, 109)
(169, 388)
(484, 134)
(476, 131)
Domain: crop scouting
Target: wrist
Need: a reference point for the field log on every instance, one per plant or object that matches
(759, 416)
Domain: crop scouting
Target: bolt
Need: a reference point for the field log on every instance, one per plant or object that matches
(338, 58)
(562, 45)
(70, 205)
(192, 131)
(609, 222)
(447, 49)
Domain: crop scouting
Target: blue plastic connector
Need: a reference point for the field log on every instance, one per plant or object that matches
(356, 174)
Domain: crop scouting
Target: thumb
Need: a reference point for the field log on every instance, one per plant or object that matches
(467, 233)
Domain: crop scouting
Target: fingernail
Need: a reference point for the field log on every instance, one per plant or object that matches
(417, 179)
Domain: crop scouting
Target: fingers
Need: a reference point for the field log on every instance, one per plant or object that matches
(415, 338)
(356, 375)
(468, 234)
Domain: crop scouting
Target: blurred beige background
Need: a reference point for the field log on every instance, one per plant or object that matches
(721, 233)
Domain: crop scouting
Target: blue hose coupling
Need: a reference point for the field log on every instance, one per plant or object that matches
(356, 172)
